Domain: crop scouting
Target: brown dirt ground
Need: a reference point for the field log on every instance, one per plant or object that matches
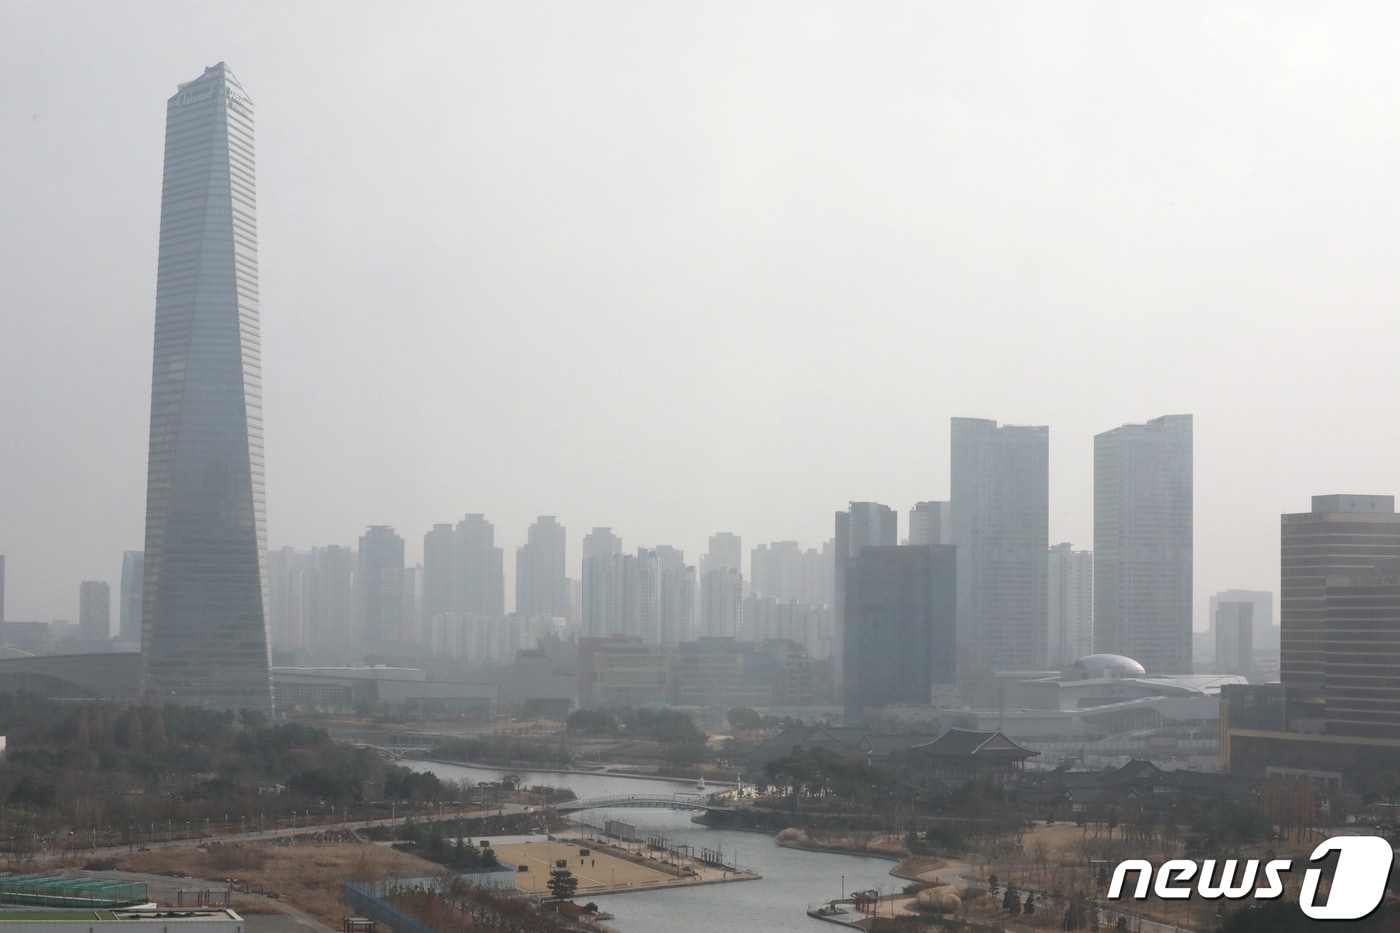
(306, 876)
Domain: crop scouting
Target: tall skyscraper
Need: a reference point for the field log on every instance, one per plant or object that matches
(900, 635)
(379, 588)
(541, 583)
(1070, 605)
(133, 579)
(1000, 481)
(204, 631)
(95, 610)
(864, 524)
(1143, 543)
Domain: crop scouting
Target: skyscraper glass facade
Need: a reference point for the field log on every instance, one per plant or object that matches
(1143, 544)
(204, 612)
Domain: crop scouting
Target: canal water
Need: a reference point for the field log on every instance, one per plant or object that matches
(792, 880)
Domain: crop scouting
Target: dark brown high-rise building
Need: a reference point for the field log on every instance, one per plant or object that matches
(1342, 536)
(1340, 611)
(1335, 717)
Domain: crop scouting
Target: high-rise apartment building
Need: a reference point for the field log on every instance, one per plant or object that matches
(726, 550)
(722, 585)
(204, 632)
(598, 576)
(541, 581)
(1000, 510)
(329, 630)
(379, 589)
(94, 610)
(437, 571)
(722, 604)
(1143, 543)
(639, 594)
(478, 568)
(286, 598)
(900, 634)
(1070, 605)
(680, 596)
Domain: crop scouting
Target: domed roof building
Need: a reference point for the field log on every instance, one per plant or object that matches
(1103, 667)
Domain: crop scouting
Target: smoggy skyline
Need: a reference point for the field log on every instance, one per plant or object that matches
(684, 269)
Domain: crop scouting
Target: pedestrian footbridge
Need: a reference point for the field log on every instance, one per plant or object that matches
(653, 801)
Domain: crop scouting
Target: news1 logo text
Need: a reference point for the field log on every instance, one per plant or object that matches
(1357, 886)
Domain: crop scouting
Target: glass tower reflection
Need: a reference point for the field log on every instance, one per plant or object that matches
(204, 619)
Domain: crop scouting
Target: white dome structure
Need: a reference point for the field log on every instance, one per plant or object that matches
(1103, 666)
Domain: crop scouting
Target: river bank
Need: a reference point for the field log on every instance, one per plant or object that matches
(791, 882)
(604, 771)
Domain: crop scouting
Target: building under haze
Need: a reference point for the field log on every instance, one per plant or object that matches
(1000, 479)
(328, 617)
(1234, 637)
(1335, 716)
(478, 568)
(437, 571)
(679, 597)
(129, 613)
(379, 590)
(1264, 636)
(94, 610)
(601, 548)
(931, 523)
(541, 581)
(722, 586)
(1143, 543)
(1070, 605)
(900, 630)
(862, 525)
(204, 628)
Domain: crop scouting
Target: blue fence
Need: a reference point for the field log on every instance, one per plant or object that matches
(364, 903)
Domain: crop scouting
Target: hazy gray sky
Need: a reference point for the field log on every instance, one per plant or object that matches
(686, 267)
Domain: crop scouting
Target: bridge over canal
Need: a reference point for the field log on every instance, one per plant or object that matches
(652, 801)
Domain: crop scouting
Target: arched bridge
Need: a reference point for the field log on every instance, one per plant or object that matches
(654, 801)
